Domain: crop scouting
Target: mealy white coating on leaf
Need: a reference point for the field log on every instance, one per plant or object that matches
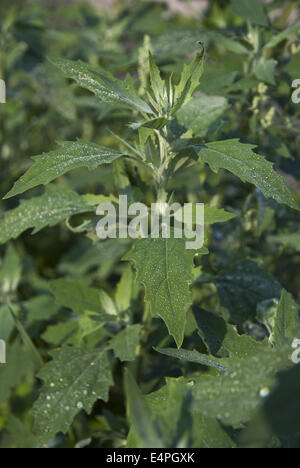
(70, 155)
(164, 267)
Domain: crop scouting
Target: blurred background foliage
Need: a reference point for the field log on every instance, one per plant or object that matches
(237, 99)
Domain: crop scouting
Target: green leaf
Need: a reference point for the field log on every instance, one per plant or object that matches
(158, 123)
(233, 45)
(287, 240)
(19, 365)
(234, 397)
(214, 215)
(103, 84)
(107, 303)
(70, 155)
(182, 426)
(164, 267)
(77, 296)
(158, 85)
(40, 308)
(189, 80)
(140, 416)
(253, 11)
(7, 323)
(61, 334)
(242, 286)
(10, 271)
(74, 380)
(21, 435)
(199, 115)
(222, 339)
(265, 71)
(282, 408)
(124, 344)
(240, 159)
(276, 39)
(286, 320)
(54, 206)
(124, 290)
(193, 356)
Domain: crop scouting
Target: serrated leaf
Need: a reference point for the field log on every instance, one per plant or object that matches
(70, 155)
(234, 397)
(74, 380)
(164, 267)
(242, 286)
(253, 11)
(286, 320)
(103, 84)
(240, 159)
(124, 344)
(158, 85)
(189, 80)
(193, 356)
(54, 206)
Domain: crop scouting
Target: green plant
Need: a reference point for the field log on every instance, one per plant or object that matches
(221, 332)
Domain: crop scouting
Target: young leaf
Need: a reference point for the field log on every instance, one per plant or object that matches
(240, 159)
(193, 356)
(286, 320)
(54, 206)
(103, 84)
(164, 267)
(158, 85)
(74, 380)
(265, 71)
(189, 80)
(253, 11)
(70, 155)
(124, 344)
(10, 271)
(75, 295)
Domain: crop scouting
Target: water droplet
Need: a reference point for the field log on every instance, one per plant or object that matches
(52, 384)
(264, 392)
(67, 408)
(48, 398)
(79, 405)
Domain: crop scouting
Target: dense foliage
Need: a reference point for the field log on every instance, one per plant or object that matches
(144, 343)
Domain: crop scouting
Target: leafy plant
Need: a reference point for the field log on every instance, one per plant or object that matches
(144, 343)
